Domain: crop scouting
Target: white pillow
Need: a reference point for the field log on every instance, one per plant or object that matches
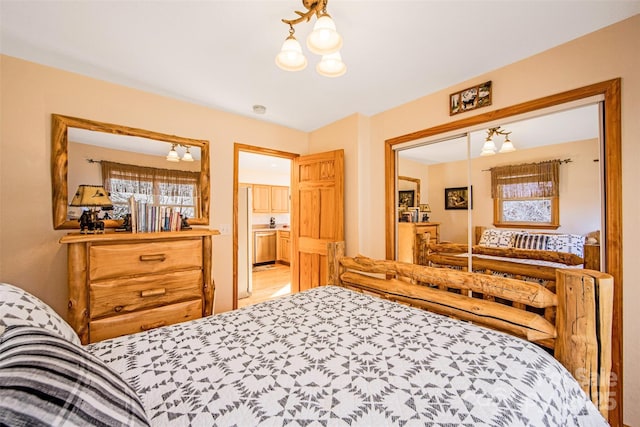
(497, 238)
(569, 243)
(18, 307)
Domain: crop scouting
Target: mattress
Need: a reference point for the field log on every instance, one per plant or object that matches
(333, 357)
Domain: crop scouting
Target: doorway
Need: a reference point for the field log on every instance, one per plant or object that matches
(261, 224)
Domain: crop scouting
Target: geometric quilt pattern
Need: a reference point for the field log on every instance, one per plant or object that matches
(333, 357)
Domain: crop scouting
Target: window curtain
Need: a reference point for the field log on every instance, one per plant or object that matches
(529, 180)
(142, 180)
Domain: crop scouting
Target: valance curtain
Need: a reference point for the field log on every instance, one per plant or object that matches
(141, 180)
(529, 180)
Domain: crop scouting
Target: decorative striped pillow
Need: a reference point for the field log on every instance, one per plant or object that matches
(531, 241)
(46, 380)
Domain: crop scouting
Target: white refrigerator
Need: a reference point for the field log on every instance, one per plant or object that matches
(245, 242)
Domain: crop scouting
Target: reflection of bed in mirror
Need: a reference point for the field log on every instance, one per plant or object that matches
(513, 254)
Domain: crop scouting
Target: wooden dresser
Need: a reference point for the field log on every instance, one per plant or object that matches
(123, 283)
(409, 234)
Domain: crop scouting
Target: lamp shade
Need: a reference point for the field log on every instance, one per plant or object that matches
(425, 207)
(91, 196)
(187, 156)
(488, 148)
(507, 146)
(331, 65)
(173, 155)
(324, 39)
(290, 57)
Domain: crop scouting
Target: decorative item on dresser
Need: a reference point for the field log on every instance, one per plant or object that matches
(92, 197)
(122, 283)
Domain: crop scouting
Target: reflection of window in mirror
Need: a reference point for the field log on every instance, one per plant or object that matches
(133, 166)
(166, 188)
(526, 195)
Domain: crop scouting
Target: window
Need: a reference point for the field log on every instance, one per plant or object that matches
(162, 187)
(526, 195)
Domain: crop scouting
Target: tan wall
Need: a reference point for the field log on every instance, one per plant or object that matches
(31, 258)
(30, 255)
(606, 54)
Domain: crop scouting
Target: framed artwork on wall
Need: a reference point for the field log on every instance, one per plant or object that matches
(406, 198)
(470, 98)
(458, 198)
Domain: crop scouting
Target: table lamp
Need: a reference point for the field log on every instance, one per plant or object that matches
(92, 197)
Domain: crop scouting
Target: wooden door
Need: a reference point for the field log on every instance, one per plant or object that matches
(317, 200)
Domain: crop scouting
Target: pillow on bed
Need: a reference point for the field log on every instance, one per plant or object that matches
(570, 243)
(496, 238)
(19, 307)
(531, 241)
(46, 380)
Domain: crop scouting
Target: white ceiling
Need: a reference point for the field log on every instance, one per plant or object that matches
(221, 53)
(576, 124)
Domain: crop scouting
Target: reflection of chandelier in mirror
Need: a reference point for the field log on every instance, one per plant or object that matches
(489, 147)
(173, 155)
(323, 40)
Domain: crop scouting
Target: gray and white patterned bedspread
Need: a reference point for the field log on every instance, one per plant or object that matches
(332, 357)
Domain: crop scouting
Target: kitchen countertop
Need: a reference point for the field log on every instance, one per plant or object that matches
(265, 227)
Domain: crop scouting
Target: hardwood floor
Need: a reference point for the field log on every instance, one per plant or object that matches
(269, 283)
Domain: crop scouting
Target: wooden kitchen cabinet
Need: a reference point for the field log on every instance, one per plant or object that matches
(123, 283)
(261, 198)
(279, 199)
(284, 247)
(270, 198)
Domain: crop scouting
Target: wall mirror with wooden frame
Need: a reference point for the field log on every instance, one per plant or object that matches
(408, 191)
(78, 146)
(591, 188)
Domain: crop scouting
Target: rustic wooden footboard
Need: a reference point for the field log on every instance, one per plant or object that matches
(580, 334)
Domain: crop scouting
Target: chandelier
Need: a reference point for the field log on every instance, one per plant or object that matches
(489, 147)
(324, 40)
(173, 155)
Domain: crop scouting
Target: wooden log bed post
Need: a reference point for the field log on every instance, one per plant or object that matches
(583, 323)
(581, 336)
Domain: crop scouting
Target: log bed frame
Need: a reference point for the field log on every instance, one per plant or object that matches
(579, 335)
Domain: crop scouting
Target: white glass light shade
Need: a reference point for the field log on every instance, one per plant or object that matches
(290, 57)
(331, 65)
(173, 155)
(488, 148)
(507, 146)
(324, 39)
(187, 156)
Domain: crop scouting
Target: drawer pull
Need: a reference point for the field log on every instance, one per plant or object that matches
(153, 257)
(153, 325)
(153, 292)
(118, 308)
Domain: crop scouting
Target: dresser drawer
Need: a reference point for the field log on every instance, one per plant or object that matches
(134, 259)
(120, 296)
(139, 321)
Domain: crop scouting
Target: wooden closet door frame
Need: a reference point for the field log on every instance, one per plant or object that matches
(612, 194)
